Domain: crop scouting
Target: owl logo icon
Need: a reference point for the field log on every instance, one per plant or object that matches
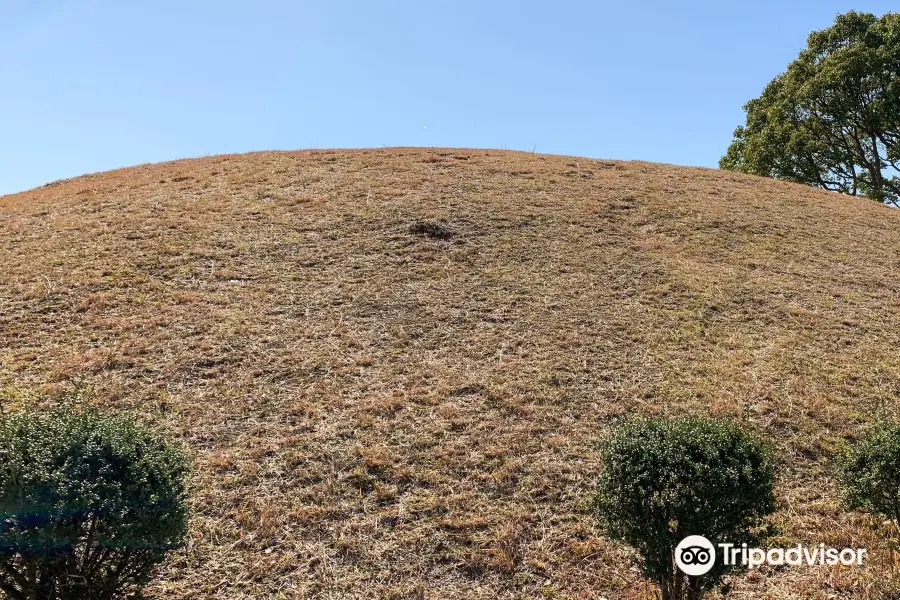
(695, 555)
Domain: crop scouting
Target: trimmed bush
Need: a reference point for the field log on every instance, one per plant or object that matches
(666, 479)
(89, 504)
(870, 471)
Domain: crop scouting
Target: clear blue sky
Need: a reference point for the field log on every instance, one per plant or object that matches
(94, 85)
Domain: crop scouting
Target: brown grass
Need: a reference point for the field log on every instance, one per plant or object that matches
(392, 366)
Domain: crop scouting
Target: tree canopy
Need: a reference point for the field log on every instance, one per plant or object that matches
(832, 120)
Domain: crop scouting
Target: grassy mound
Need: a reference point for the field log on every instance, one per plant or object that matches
(393, 365)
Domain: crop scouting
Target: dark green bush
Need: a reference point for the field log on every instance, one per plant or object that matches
(666, 479)
(870, 471)
(89, 504)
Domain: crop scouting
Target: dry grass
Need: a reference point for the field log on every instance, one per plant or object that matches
(392, 366)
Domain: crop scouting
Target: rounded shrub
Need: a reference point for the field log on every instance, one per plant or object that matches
(89, 504)
(666, 479)
(870, 471)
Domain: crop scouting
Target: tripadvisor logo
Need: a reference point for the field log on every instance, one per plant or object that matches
(695, 555)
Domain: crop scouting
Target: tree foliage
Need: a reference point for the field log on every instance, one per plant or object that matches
(832, 120)
(666, 479)
(870, 471)
(89, 504)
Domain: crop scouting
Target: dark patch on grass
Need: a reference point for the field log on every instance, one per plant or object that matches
(431, 229)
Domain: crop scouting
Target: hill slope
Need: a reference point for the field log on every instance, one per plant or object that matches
(393, 365)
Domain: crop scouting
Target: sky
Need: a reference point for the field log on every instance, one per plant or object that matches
(88, 86)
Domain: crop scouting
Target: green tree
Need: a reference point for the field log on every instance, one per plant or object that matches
(832, 120)
(870, 471)
(89, 504)
(666, 479)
